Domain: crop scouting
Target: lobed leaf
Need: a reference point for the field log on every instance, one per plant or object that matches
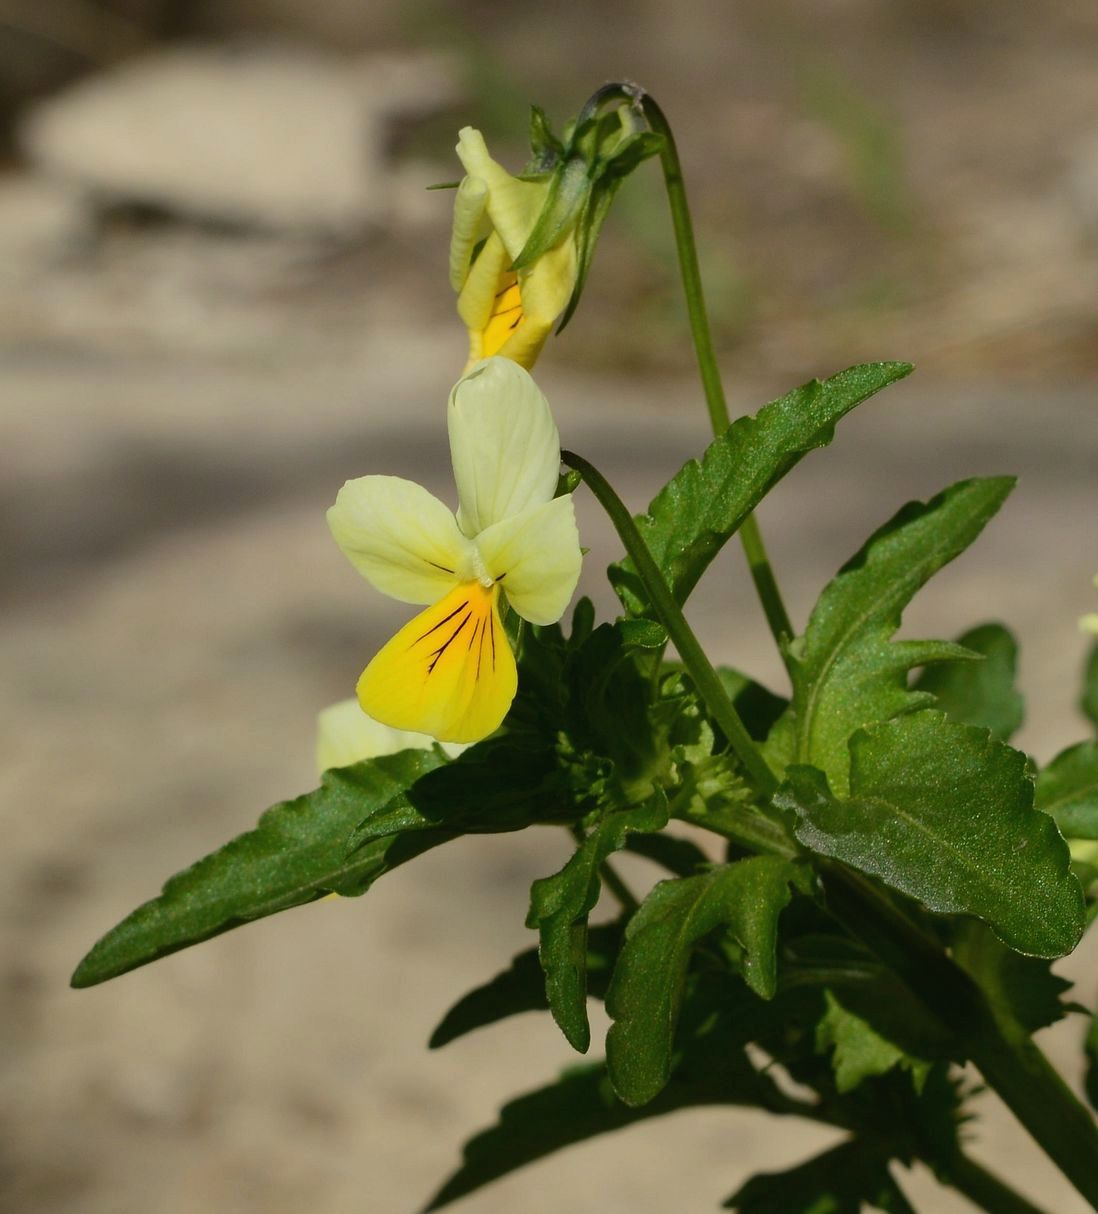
(560, 904)
(979, 692)
(1067, 789)
(846, 670)
(296, 853)
(859, 1051)
(646, 991)
(704, 503)
(945, 814)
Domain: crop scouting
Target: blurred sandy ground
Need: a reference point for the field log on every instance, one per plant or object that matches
(194, 359)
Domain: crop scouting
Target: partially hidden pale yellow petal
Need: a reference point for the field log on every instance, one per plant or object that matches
(536, 558)
(513, 205)
(345, 735)
(493, 305)
(471, 225)
(449, 672)
(401, 538)
(503, 442)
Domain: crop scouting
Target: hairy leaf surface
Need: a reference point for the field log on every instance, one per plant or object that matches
(297, 852)
(560, 904)
(846, 670)
(945, 814)
(646, 991)
(704, 503)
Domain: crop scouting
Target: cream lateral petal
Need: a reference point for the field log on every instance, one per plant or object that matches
(536, 555)
(503, 442)
(471, 225)
(345, 735)
(513, 205)
(401, 538)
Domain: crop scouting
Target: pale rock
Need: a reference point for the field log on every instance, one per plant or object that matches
(271, 137)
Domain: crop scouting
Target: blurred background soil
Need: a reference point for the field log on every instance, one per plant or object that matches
(223, 291)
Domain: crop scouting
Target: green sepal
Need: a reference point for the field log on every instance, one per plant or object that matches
(1068, 790)
(521, 987)
(646, 991)
(296, 853)
(846, 670)
(545, 147)
(704, 503)
(560, 904)
(979, 692)
(943, 813)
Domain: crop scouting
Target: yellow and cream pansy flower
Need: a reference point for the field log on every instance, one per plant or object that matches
(507, 312)
(450, 672)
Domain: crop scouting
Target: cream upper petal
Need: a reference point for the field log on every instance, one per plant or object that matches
(536, 555)
(513, 205)
(401, 538)
(503, 442)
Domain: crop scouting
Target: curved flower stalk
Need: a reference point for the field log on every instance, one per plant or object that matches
(507, 311)
(450, 672)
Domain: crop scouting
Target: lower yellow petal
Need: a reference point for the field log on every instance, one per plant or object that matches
(506, 315)
(449, 672)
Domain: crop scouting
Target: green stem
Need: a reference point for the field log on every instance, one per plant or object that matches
(671, 617)
(987, 1033)
(627, 900)
(984, 1190)
(750, 536)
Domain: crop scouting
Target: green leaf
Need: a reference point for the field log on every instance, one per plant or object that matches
(560, 904)
(646, 991)
(945, 814)
(521, 987)
(860, 1051)
(840, 1181)
(297, 852)
(846, 670)
(678, 856)
(1068, 790)
(1025, 986)
(980, 692)
(499, 785)
(1089, 702)
(579, 1105)
(758, 707)
(703, 504)
(714, 1069)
